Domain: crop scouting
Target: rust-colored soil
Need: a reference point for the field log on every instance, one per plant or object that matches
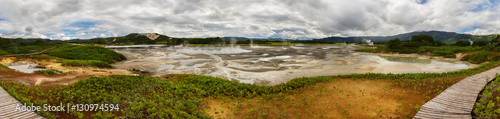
(70, 74)
(341, 98)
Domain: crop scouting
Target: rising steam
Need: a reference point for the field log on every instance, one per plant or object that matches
(368, 41)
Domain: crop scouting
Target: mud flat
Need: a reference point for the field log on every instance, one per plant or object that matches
(274, 65)
(24, 66)
(23, 71)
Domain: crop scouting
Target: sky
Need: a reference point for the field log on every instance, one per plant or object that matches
(291, 19)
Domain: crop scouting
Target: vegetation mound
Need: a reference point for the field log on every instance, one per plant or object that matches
(87, 52)
(3, 66)
(481, 57)
(48, 72)
(486, 107)
(95, 63)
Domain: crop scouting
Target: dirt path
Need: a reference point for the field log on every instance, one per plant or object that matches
(458, 100)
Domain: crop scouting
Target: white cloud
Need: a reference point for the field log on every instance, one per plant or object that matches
(247, 18)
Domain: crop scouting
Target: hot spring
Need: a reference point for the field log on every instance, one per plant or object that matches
(274, 65)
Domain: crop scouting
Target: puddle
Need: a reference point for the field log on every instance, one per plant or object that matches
(24, 66)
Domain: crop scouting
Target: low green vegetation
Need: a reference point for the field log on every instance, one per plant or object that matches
(48, 58)
(48, 72)
(447, 51)
(481, 57)
(138, 71)
(137, 97)
(180, 95)
(378, 48)
(3, 66)
(411, 46)
(9, 46)
(94, 63)
(424, 44)
(2, 52)
(87, 52)
(488, 105)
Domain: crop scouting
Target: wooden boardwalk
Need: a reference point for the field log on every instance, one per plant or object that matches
(458, 100)
(8, 108)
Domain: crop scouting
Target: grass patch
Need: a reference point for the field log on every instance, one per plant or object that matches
(2, 52)
(28, 49)
(138, 71)
(487, 105)
(48, 72)
(3, 66)
(180, 96)
(446, 54)
(481, 57)
(87, 52)
(94, 63)
(377, 49)
(445, 51)
(137, 96)
(454, 49)
(48, 58)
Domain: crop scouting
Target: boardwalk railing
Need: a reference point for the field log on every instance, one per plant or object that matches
(458, 100)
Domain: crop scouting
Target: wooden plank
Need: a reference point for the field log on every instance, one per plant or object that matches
(8, 106)
(458, 100)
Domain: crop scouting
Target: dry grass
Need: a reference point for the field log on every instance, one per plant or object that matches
(340, 98)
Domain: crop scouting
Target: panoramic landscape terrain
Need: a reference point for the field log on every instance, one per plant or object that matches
(249, 59)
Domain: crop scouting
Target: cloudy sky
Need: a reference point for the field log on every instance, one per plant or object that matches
(295, 19)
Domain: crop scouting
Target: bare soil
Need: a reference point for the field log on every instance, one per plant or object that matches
(341, 98)
(70, 74)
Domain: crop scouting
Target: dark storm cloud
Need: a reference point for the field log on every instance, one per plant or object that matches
(29, 30)
(245, 18)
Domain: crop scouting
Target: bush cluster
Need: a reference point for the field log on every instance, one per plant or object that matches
(3, 66)
(48, 72)
(87, 52)
(95, 63)
(481, 57)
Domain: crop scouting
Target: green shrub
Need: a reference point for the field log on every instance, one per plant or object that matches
(366, 50)
(94, 63)
(466, 57)
(447, 54)
(412, 44)
(28, 49)
(137, 97)
(88, 52)
(48, 72)
(47, 57)
(495, 58)
(3, 66)
(476, 58)
(485, 107)
(4, 52)
(421, 51)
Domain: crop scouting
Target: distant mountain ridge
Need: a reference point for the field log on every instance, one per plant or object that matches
(445, 37)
